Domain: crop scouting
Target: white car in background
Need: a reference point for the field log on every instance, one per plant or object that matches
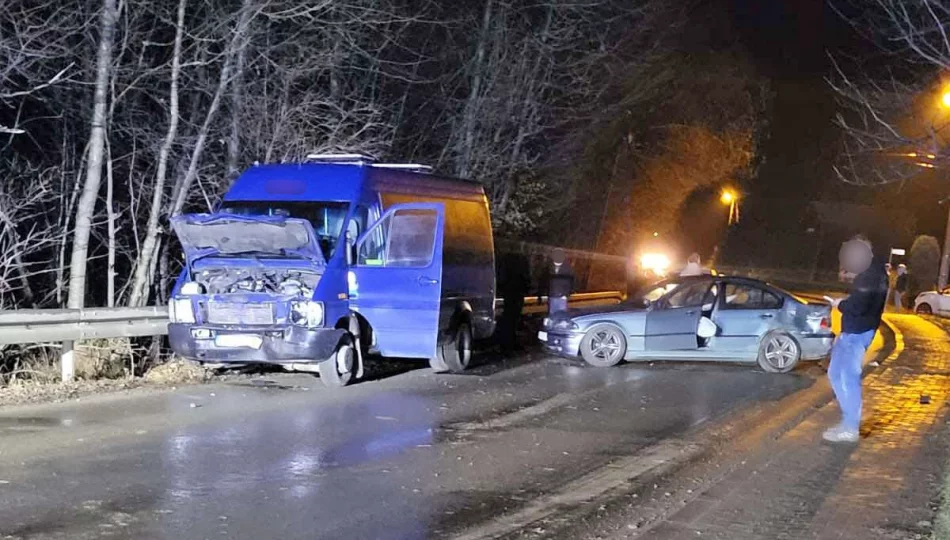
(933, 302)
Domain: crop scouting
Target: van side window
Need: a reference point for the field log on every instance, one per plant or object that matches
(405, 239)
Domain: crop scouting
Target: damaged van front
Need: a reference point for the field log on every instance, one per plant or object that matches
(248, 293)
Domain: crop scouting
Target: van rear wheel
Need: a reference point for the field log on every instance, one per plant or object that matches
(337, 371)
(454, 354)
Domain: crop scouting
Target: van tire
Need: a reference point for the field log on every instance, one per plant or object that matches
(338, 370)
(454, 353)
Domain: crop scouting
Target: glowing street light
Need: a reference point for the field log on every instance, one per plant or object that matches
(945, 99)
(731, 199)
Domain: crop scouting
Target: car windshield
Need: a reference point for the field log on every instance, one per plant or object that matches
(326, 217)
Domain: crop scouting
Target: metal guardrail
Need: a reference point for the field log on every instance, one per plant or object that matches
(41, 325)
(71, 325)
(538, 304)
(574, 298)
(47, 325)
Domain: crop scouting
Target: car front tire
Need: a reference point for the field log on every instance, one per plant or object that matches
(604, 345)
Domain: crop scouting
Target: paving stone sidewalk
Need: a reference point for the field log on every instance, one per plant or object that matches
(887, 487)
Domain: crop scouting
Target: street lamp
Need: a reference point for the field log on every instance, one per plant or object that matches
(730, 198)
(930, 161)
(945, 99)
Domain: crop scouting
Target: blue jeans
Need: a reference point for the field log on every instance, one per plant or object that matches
(845, 375)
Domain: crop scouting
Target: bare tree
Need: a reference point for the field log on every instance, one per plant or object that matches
(237, 41)
(97, 136)
(34, 51)
(534, 70)
(142, 277)
(26, 194)
(891, 110)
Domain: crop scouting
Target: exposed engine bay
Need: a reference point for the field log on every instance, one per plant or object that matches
(285, 282)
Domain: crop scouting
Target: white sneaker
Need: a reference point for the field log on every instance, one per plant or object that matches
(841, 434)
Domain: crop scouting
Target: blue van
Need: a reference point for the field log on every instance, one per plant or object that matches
(311, 266)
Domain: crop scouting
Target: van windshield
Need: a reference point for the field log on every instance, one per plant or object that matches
(326, 217)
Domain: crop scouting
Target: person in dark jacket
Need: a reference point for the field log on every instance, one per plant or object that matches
(861, 315)
(514, 282)
(900, 286)
(560, 282)
(636, 281)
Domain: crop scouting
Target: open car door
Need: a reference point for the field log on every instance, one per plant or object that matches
(396, 281)
(674, 319)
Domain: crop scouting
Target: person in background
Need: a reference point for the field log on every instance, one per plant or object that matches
(693, 267)
(861, 315)
(900, 286)
(891, 279)
(560, 282)
(636, 281)
(514, 283)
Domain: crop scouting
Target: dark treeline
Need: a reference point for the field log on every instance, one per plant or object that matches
(116, 114)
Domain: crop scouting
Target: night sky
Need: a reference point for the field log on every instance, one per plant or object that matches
(790, 41)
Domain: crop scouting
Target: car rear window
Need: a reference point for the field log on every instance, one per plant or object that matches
(742, 296)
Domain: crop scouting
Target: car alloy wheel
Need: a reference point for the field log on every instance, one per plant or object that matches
(779, 353)
(603, 346)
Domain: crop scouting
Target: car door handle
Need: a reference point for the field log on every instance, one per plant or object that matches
(423, 280)
(691, 312)
(766, 316)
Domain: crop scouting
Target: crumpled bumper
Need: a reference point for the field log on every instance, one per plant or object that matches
(203, 343)
(816, 347)
(564, 344)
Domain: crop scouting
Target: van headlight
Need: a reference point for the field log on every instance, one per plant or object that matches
(190, 288)
(306, 313)
(180, 310)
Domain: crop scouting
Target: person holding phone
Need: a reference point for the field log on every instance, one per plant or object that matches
(861, 314)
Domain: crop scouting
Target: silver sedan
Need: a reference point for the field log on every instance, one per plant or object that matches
(716, 318)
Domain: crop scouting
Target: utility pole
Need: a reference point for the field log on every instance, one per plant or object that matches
(945, 257)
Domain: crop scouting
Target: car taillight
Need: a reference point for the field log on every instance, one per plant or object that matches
(825, 324)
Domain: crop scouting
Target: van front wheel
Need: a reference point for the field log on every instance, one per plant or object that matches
(337, 371)
(454, 353)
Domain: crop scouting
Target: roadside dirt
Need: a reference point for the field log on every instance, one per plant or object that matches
(167, 375)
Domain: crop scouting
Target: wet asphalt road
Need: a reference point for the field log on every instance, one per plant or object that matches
(409, 456)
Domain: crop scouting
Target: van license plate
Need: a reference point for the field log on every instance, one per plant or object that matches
(238, 341)
(543, 336)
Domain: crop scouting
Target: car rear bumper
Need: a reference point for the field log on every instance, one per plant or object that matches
(561, 343)
(816, 346)
(276, 345)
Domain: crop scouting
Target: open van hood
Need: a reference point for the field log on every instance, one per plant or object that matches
(204, 235)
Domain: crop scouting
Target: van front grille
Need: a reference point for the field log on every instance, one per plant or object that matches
(235, 313)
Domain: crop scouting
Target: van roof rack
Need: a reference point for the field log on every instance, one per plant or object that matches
(412, 167)
(352, 159)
